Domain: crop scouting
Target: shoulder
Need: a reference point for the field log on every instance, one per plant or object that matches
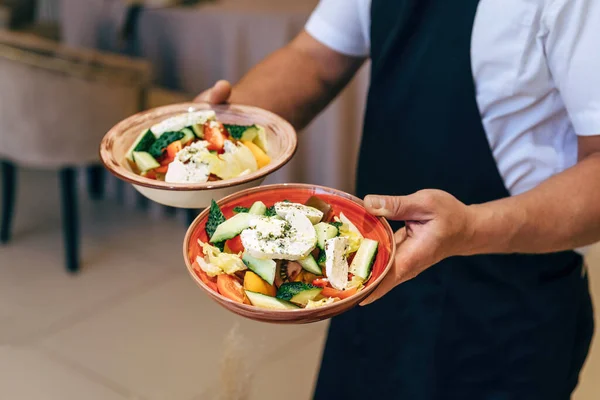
(342, 25)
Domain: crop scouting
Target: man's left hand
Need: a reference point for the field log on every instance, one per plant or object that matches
(437, 226)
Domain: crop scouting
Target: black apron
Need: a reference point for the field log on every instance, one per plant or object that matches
(493, 327)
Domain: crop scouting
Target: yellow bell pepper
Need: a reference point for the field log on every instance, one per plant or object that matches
(255, 283)
(262, 159)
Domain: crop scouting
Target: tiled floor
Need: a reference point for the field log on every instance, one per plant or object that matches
(132, 325)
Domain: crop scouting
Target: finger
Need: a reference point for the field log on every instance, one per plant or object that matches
(384, 287)
(394, 276)
(398, 208)
(218, 94)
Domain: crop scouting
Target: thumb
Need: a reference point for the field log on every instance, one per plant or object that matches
(218, 94)
(397, 208)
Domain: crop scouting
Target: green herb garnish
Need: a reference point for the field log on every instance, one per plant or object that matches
(270, 212)
(158, 147)
(215, 218)
(236, 131)
(337, 224)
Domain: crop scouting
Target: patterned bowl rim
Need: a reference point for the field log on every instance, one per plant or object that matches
(301, 312)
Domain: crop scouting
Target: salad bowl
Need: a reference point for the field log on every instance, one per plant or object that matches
(118, 142)
(373, 229)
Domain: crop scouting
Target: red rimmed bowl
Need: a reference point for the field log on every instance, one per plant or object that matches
(281, 139)
(370, 226)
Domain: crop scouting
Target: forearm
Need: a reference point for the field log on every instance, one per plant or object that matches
(296, 82)
(561, 213)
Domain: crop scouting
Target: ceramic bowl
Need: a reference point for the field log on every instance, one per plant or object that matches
(281, 138)
(370, 226)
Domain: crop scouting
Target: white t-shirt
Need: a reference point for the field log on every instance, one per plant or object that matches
(536, 66)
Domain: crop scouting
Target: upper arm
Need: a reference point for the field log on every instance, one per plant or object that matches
(335, 39)
(588, 145)
(333, 68)
(573, 54)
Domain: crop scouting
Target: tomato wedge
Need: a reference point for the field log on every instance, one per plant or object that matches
(208, 281)
(231, 288)
(215, 135)
(235, 245)
(342, 294)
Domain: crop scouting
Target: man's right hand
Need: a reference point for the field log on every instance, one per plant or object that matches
(218, 94)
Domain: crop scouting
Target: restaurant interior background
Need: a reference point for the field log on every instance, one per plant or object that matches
(132, 324)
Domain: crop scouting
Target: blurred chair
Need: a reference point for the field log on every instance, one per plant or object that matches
(57, 104)
(39, 17)
(4, 17)
(20, 12)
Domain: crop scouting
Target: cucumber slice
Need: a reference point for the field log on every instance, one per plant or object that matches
(302, 292)
(261, 139)
(322, 261)
(258, 208)
(263, 268)
(364, 258)
(231, 228)
(264, 301)
(303, 297)
(250, 134)
(142, 143)
(325, 231)
(198, 130)
(310, 264)
(188, 135)
(144, 161)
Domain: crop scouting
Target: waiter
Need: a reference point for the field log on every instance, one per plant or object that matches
(482, 141)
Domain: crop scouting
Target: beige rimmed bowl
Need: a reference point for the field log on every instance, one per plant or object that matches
(281, 139)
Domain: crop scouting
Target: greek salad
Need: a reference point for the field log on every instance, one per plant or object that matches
(287, 256)
(195, 147)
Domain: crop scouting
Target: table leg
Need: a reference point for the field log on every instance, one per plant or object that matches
(96, 181)
(9, 189)
(68, 184)
(191, 215)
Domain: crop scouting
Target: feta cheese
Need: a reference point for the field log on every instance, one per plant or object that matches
(229, 147)
(181, 121)
(284, 208)
(191, 172)
(275, 238)
(336, 264)
(188, 166)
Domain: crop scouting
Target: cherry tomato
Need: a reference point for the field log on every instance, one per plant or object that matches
(231, 288)
(208, 281)
(215, 135)
(150, 174)
(342, 294)
(320, 282)
(161, 170)
(173, 148)
(165, 161)
(235, 245)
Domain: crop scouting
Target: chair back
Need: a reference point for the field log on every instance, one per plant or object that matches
(56, 103)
